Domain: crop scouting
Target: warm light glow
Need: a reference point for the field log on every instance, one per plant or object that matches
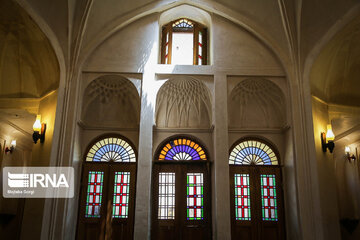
(347, 149)
(37, 124)
(329, 134)
(13, 143)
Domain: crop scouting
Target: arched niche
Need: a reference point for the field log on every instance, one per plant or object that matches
(335, 73)
(187, 11)
(257, 103)
(29, 67)
(111, 100)
(183, 102)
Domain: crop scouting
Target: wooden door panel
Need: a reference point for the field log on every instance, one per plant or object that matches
(257, 227)
(106, 226)
(122, 227)
(181, 227)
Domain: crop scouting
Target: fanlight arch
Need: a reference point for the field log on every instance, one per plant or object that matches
(111, 149)
(252, 152)
(182, 149)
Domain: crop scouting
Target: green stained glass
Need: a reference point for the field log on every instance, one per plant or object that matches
(242, 197)
(94, 194)
(195, 196)
(268, 197)
(121, 195)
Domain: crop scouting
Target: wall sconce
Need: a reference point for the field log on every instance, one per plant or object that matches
(347, 152)
(39, 130)
(327, 141)
(12, 147)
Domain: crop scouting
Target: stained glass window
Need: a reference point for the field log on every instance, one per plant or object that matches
(195, 196)
(242, 197)
(252, 152)
(268, 197)
(94, 194)
(166, 195)
(200, 46)
(167, 48)
(183, 23)
(111, 149)
(182, 149)
(121, 194)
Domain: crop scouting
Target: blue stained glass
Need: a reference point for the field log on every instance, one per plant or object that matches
(111, 149)
(253, 152)
(182, 149)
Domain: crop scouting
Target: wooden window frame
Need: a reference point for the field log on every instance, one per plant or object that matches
(257, 228)
(86, 225)
(197, 27)
(180, 227)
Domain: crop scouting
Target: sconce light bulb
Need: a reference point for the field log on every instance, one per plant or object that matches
(13, 143)
(329, 134)
(37, 124)
(347, 150)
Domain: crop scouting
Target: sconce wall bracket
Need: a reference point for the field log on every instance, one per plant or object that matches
(9, 149)
(36, 135)
(330, 145)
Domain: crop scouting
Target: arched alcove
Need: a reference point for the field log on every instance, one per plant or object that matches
(183, 102)
(257, 102)
(111, 101)
(26, 55)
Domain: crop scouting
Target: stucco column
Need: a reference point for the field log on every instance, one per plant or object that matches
(143, 184)
(221, 164)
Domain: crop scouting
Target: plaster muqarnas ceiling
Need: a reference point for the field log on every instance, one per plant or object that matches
(335, 76)
(28, 65)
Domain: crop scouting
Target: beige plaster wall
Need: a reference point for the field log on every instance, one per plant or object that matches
(33, 211)
(326, 173)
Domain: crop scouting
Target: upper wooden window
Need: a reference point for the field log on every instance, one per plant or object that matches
(184, 42)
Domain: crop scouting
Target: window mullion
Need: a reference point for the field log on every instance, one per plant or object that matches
(196, 44)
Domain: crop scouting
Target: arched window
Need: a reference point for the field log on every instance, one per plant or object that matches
(256, 193)
(184, 42)
(181, 191)
(108, 190)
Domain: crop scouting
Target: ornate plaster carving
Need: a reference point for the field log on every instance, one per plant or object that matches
(111, 101)
(183, 102)
(256, 102)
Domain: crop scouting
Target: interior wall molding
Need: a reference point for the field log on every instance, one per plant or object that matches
(184, 130)
(260, 130)
(106, 128)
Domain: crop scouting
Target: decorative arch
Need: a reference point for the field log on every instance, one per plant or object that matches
(257, 102)
(181, 189)
(253, 152)
(183, 102)
(111, 149)
(111, 100)
(151, 8)
(181, 149)
(108, 188)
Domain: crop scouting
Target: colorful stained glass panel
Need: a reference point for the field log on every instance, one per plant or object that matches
(183, 23)
(182, 149)
(268, 197)
(195, 196)
(111, 149)
(242, 197)
(121, 195)
(94, 194)
(166, 195)
(200, 45)
(252, 153)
